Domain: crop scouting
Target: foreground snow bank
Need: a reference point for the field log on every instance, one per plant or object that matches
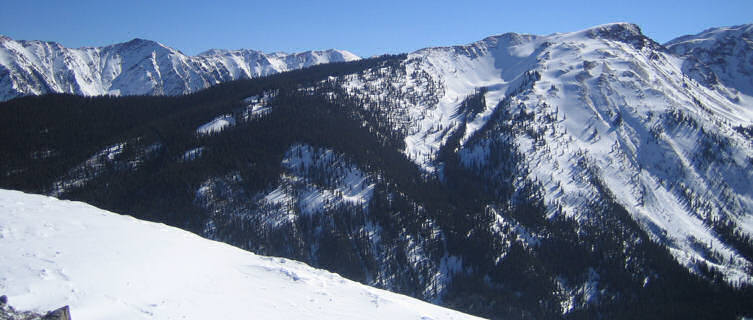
(109, 266)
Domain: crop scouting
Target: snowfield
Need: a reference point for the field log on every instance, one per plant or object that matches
(110, 266)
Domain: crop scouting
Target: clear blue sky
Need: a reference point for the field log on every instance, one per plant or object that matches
(364, 27)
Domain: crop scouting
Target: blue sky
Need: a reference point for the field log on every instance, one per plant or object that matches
(364, 27)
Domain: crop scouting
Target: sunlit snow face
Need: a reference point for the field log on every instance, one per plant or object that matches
(105, 265)
(605, 96)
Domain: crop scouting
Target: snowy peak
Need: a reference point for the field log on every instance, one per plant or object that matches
(719, 55)
(521, 45)
(346, 55)
(143, 46)
(139, 42)
(483, 47)
(711, 35)
(136, 67)
(620, 31)
(624, 32)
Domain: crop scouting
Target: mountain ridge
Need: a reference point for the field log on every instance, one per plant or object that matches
(136, 67)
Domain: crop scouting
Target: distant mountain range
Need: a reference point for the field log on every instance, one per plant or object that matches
(581, 175)
(136, 67)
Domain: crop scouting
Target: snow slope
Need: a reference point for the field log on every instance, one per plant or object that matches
(605, 102)
(716, 55)
(137, 67)
(109, 266)
(216, 125)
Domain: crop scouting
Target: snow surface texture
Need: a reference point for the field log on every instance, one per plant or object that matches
(666, 146)
(110, 266)
(137, 67)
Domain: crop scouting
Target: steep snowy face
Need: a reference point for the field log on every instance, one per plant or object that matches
(719, 55)
(108, 266)
(600, 112)
(137, 67)
(433, 82)
(665, 147)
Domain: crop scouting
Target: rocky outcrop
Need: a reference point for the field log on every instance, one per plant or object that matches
(9, 313)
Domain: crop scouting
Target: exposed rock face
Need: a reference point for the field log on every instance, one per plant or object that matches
(63, 313)
(9, 313)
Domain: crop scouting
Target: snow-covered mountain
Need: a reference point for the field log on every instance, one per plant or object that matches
(108, 266)
(719, 55)
(585, 174)
(137, 67)
(607, 102)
